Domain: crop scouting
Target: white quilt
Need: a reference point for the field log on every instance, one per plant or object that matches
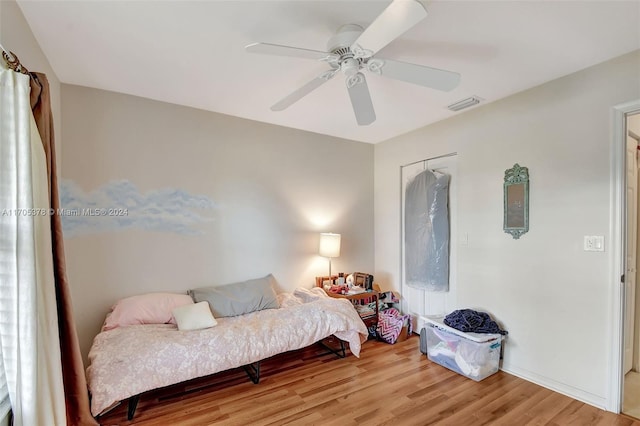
(130, 360)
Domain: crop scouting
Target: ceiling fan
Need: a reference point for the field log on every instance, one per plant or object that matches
(352, 49)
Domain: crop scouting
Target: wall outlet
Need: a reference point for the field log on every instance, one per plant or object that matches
(593, 243)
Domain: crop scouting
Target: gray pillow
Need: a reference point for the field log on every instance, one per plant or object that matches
(238, 298)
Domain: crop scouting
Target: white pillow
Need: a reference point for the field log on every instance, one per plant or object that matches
(194, 317)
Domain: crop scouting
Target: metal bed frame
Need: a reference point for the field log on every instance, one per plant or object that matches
(252, 370)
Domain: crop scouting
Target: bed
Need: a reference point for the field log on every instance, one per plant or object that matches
(125, 362)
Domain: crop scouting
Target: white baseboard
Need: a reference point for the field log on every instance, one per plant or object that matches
(570, 391)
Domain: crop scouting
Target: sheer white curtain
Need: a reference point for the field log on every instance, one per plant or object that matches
(28, 320)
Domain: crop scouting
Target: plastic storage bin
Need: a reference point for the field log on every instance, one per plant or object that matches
(473, 355)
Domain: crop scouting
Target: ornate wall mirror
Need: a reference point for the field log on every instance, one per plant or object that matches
(516, 201)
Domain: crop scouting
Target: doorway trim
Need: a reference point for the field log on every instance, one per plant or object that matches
(616, 227)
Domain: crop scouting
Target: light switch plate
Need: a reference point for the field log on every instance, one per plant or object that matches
(593, 243)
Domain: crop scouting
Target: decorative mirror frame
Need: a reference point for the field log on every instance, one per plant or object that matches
(516, 201)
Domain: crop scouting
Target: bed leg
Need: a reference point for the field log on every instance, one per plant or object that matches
(253, 371)
(133, 404)
(339, 352)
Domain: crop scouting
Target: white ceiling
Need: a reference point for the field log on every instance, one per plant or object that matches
(192, 53)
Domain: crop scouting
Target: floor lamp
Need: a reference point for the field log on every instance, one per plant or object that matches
(329, 247)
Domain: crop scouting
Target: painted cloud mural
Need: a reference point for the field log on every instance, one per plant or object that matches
(119, 205)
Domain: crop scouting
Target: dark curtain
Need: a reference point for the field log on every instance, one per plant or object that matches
(75, 382)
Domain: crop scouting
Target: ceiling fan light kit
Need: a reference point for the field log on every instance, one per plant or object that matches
(352, 49)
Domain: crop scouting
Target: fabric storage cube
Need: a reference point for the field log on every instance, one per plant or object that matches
(473, 355)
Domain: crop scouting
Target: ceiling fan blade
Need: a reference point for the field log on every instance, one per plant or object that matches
(417, 74)
(303, 91)
(276, 49)
(361, 99)
(395, 20)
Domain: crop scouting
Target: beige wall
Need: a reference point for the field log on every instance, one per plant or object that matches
(275, 190)
(16, 36)
(553, 297)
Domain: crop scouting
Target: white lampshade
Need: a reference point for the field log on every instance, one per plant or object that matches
(329, 245)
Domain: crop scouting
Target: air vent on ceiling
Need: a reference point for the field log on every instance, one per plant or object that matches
(465, 103)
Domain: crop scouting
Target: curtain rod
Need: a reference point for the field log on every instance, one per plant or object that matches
(12, 61)
(451, 154)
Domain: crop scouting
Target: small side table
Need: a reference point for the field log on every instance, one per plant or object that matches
(369, 318)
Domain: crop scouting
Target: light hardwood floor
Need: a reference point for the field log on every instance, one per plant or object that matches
(388, 385)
